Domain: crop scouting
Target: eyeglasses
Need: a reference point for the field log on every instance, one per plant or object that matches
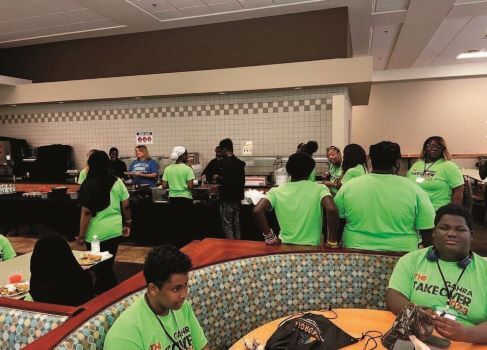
(431, 145)
(332, 148)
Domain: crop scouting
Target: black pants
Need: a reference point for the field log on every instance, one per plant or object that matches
(105, 278)
(182, 221)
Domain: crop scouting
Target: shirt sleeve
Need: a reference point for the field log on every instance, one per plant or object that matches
(190, 175)
(339, 202)
(271, 197)
(121, 341)
(425, 215)
(8, 250)
(453, 174)
(124, 193)
(197, 334)
(164, 175)
(403, 275)
(324, 191)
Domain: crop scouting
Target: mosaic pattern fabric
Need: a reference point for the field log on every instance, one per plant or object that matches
(21, 327)
(233, 298)
(91, 335)
(173, 111)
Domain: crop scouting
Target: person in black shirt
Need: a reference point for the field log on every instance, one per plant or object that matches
(232, 182)
(214, 168)
(116, 166)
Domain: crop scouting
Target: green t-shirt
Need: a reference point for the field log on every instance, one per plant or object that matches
(351, 173)
(138, 329)
(177, 177)
(82, 176)
(298, 210)
(335, 173)
(312, 176)
(420, 281)
(383, 212)
(108, 222)
(437, 179)
(7, 252)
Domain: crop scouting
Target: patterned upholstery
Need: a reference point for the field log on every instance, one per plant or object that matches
(21, 327)
(230, 299)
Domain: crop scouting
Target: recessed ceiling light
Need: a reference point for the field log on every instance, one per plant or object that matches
(473, 54)
(138, 98)
(298, 88)
(13, 105)
(222, 93)
(60, 102)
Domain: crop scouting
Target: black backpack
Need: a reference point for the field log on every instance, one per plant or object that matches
(308, 332)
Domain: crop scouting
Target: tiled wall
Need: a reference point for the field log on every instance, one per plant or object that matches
(275, 121)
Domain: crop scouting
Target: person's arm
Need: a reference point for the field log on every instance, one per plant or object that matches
(396, 301)
(455, 331)
(190, 184)
(164, 184)
(8, 250)
(261, 220)
(151, 175)
(206, 348)
(332, 221)
(83, 225)
(457, 195)
(127, 217)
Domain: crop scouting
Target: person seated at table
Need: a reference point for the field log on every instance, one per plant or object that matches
(383, 211)
(298, 205)
(214, 169)
(7, 252)
(448, 278)
(84, 172)
(117, 167)
(162, 318)
(331, 177)
(354, 163)
(103, 197)
(144, 170)
(437, 174)
(56, 276)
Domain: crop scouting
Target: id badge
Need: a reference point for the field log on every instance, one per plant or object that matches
(446, 312)
(420, 180)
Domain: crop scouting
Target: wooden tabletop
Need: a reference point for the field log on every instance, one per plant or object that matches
(353, 321)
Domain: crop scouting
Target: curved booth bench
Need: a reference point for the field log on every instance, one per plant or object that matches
(231, 298)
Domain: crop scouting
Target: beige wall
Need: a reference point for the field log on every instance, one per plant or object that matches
(409, 112)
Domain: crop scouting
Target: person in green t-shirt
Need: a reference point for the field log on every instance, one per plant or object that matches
(334, 172)
(101, 196)
(354, 163)
(383, 211)
(84, 172)
(437, 174)
(162, 318)
(7, 252)
(447, 278)
(298, 205)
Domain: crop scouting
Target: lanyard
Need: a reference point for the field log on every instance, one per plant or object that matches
(162, 326)
(449, 293)
(427, 168)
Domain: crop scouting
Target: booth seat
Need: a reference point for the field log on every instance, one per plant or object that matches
(231, 298)
(21, 322)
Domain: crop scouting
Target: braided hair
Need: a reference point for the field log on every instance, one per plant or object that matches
(353, 155)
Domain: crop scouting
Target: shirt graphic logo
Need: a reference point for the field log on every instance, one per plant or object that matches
(420, 277)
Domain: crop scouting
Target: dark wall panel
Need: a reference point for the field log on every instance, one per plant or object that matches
(279, 39)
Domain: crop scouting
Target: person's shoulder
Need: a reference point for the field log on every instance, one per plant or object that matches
(414, 257)
(480, 262)
(451, 165)
(132, 315)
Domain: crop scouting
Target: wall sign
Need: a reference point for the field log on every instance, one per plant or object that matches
(144, 138)
(248, 148)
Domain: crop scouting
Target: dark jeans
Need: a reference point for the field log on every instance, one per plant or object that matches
(230, 213)
(105, 278)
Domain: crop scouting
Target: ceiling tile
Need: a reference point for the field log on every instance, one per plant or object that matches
(391, 5)
(185, 3)
(152, 6)
(197, 11)
(171, 14)
(249, 4)
(226, 6)
(63, 5)
(86, 15)
(383, 41)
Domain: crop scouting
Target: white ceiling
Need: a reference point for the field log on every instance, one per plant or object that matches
(399, 34)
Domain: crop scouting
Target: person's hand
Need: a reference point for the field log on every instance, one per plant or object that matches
(203, 178)
(126, 231)
(326, 176)
(450, 329)
(80, 240)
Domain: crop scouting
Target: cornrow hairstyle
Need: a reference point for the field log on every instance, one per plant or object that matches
(353, 155)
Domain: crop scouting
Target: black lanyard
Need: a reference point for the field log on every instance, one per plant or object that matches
(160, 322)
(427, 168)
(449, 293)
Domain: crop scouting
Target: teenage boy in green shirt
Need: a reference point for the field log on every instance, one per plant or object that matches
(447, 278)
(162, 319)
(298, 205)
(383, 211)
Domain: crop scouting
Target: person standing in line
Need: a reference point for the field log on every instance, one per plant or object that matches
(144, 170)
(103, 197)
(84, 172)
(117, 167)
(232, 183)
(214, 167)
(437, 175)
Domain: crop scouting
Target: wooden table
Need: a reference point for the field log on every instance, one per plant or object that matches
(354, 322)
